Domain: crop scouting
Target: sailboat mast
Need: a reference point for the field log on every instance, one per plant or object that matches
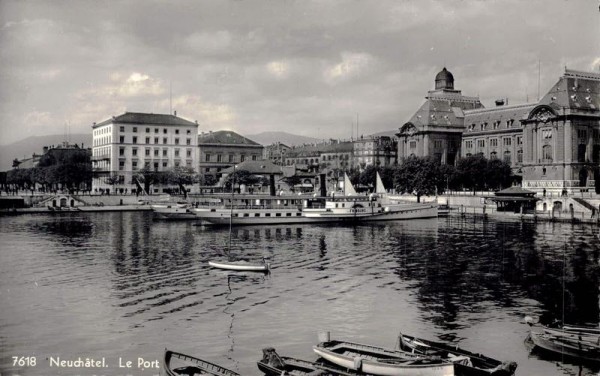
(231, 208)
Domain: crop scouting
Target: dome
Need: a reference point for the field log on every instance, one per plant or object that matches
(444, 80)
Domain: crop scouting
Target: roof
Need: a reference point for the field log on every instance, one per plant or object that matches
(225, 138)
(144, 118)
(443, 110)
(575, 90)
(498, 113)
(316, 150)
(444, 75)
(261, 167)
(515, 191)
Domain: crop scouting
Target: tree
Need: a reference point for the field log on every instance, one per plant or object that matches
(240, 177)
(417, 175)
(182, 176)
(147, 176)
(292, 181)
(471, 172)
(112, 180)
(498, 174)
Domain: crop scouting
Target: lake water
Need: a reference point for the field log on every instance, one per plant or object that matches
(121, 286)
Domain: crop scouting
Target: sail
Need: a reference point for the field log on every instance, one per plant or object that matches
(379, 188)
(348, 187)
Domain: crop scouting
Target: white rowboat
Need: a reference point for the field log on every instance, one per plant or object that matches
(240, 266)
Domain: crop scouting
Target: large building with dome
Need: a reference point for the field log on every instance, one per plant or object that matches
(554, 144)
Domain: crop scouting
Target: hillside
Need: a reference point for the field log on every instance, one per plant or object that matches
(268, 138)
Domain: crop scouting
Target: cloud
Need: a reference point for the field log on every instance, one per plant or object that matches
(37, 119)
(209, 43)
(352, 65)
(279, 69)
(210, 116)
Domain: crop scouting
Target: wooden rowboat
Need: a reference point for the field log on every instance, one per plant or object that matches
(178, 364)
(379, 361)
(240, 266)
(576, 349)
(274, 365)
(466, 363)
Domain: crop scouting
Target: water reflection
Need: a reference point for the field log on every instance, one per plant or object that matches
(110, 282)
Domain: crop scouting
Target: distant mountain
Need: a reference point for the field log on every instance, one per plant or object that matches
(35, 144)
(386, 133)
(268, 138)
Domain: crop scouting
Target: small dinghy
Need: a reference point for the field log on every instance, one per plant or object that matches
(574, 348)
(177, 364)
(274, 365)
(466, 363)
(380, 361)
(241, 266)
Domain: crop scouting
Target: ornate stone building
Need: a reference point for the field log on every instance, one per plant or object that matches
(436, 128)
(554, 143)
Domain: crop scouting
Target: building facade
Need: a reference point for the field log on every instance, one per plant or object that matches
(125, 144)
(275, 152)
(222, 149)
(553, 143)
(375, 150)
(436, 128)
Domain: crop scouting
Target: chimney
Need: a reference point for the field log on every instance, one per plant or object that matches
(272, 184)
(499, 102)
(323, 185)
(175, 112)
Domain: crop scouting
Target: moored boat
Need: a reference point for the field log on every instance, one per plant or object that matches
(173, 211)
(564, 346)
(380, 361)
(241, 266)
(178, 364)
(275, 365)
(466, 363)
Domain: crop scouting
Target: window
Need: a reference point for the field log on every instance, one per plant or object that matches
(188, 141)
(254, 157)
(469, 144)
(121, 165)
(493, 155)
(189, 132)
(134, 151)
(207, 158)
(176, 141)
(164, 140)
(413, 144)
(207, 169)
(121, 139)
(156, 140)
(121, 151)
(176, 152)
(122, 129)
(147, 130)
(176, 164)
(243, 158)
(147, 152)
(176, 131)
(507, 141)
(155, 166)
(581, 149)
(519, 156)
(147, 140)
(164, 130)
(437, 144)
(494, 142)
(481, 143)
(164, 164)
(547, 153)
(519, 140)
(230, 157)
(155, 130)
(219, 158)
(156, 152)
(134, 165)
(164, 152)
(134, 129)
(547, 133)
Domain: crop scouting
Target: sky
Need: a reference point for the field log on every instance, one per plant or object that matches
(323, 69)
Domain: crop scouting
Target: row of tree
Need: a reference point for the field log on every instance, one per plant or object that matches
(414, 175)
